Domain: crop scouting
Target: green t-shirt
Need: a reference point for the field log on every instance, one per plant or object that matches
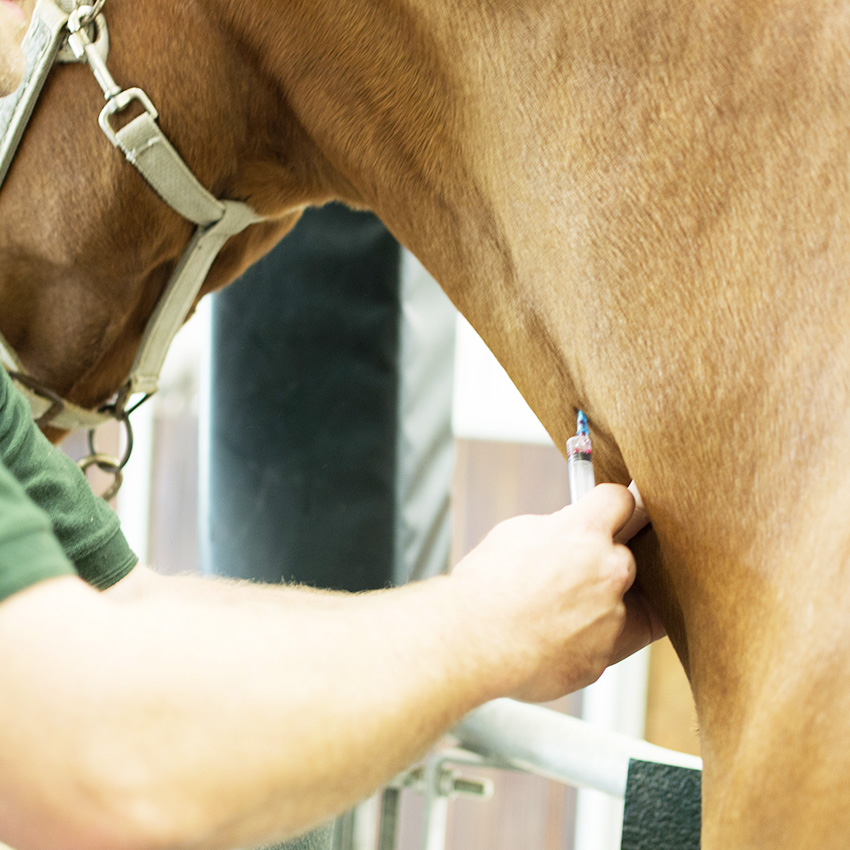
(51, 523)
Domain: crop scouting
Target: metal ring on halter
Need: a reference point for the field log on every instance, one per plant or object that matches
(87, 13)
(107, 464)
(97, 31)
(124, 419)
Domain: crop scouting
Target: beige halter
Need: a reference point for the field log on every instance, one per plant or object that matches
(62, 31)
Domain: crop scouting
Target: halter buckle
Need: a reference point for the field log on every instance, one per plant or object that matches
(118, 103)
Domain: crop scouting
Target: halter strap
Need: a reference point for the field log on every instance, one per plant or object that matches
(41, 45)
(146, 147)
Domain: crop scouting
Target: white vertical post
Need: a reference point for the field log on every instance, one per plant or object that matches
(436, 811)
(186, 360)
(133, 503)
(617, 702)
(365, 824)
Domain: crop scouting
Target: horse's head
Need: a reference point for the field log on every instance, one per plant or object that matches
(86, 246)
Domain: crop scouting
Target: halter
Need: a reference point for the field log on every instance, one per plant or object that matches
(63, 31)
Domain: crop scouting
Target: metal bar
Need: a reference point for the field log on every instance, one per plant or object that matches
(387, 834)
(343, 838)
(547, 743)
(436, 812)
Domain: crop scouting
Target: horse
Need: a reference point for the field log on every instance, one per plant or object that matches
(643, 207)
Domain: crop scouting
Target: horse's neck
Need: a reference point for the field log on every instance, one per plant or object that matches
(644, 209)
(555, 163)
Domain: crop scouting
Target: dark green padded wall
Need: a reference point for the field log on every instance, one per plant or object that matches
(302, 430)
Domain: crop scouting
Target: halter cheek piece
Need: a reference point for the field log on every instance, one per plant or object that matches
(62, 31)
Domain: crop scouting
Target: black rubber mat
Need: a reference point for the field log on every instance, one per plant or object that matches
(662, 807)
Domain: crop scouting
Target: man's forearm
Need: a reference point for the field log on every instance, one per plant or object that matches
(143, 583)
(223, 707)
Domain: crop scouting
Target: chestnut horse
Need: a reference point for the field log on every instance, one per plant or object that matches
(643, 206)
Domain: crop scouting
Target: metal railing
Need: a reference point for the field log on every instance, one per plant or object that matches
(508, 735)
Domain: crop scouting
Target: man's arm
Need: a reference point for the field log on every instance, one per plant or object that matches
(164, 720)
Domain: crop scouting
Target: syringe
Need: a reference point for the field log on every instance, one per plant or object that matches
(580, 461)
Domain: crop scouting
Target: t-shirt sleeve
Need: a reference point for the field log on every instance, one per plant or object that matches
(29, 551)
(87, 529)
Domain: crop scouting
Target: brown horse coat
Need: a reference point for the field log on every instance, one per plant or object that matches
(644, 209)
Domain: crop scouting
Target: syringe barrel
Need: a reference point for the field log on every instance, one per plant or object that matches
(581, 477)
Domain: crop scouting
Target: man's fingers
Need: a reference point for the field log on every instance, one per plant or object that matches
(606, 508)
(624, 560)
(641, 627)
(614, 510)
(636, 521)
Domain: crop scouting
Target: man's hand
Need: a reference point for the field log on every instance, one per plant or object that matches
(551, 589)
(642, 625)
